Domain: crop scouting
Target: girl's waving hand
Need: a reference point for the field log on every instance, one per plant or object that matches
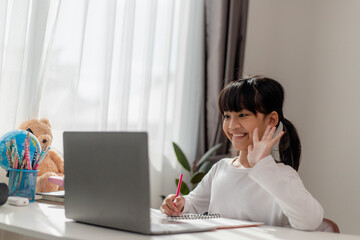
(262, 148)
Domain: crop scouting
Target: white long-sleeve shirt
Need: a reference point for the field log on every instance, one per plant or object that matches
(269, 192)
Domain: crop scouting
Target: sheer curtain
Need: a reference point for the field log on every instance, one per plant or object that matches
(25, 31)
(26, 28)
(117, 65)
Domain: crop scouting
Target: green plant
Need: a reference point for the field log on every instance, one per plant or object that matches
(198, 170)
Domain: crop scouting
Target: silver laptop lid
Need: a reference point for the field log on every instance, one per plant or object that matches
(107, 179)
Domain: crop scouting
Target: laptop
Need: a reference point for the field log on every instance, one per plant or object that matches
(107, 183)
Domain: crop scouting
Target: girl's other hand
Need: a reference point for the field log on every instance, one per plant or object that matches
(173, 206)
(262, 148)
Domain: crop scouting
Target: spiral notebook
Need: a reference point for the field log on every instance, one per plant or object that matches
(214, 221)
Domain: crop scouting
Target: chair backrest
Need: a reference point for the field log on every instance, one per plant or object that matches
(328, 226)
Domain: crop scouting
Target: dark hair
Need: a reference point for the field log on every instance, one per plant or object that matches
(263, 95)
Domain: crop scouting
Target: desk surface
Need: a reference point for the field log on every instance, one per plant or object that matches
(47, 221)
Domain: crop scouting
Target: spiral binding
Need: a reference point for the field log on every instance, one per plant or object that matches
(194, 216)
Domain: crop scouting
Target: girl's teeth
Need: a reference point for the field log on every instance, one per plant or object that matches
(239, 135)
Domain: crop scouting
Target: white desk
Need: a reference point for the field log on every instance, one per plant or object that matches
(47, 221)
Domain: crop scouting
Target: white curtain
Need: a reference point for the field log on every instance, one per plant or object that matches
(115, 65)
(25, 31)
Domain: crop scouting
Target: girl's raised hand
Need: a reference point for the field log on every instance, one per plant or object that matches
(262, 148)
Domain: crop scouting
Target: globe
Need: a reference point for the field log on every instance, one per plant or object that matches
(19, 136)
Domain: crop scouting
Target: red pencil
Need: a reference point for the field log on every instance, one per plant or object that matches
(179, 186)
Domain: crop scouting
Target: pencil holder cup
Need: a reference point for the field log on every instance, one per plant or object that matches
(22, 183)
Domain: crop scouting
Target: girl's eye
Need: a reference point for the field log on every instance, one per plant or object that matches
(242, 115)
(226, 116)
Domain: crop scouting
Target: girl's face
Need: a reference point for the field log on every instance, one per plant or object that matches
(239, 127)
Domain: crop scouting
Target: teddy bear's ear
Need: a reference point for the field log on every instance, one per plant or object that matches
(24, 125)
(45, 121)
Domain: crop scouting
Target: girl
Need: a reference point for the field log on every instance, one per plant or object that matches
(256, 185)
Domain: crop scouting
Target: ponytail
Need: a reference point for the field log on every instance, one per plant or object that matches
(290, 146)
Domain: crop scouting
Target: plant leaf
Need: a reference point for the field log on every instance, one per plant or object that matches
(205, 167)
(197, 177)
(208, 154)
(184, 189)
(181, 157)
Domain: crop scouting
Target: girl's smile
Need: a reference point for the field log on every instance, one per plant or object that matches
(238, 136)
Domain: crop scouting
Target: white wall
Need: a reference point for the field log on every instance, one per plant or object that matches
(313, 48)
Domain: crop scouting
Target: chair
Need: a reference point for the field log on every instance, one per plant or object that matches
(328, 226)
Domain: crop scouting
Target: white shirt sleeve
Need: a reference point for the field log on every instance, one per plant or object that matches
(284, 184)
(198, 200)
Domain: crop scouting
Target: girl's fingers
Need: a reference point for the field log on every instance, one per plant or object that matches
(179, 202)
(271, 133)
(266, 133)
(277, 138)
(260, 149)
(165, 210)
(169, 204)
(168, 211)
(255, 135)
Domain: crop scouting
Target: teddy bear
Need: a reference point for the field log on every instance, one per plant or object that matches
(53, 163)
